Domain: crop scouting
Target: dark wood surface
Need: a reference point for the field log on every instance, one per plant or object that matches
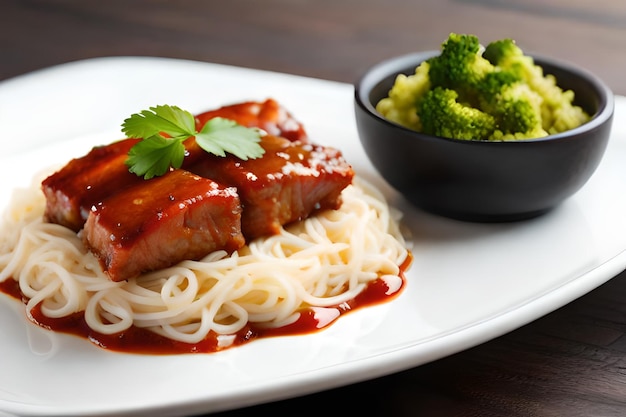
(569, 363)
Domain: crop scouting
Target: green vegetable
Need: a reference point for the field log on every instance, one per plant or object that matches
(491, 93)
(503, 50)
(163, 130)
(460, 66)
(514, 105)
(437, 106)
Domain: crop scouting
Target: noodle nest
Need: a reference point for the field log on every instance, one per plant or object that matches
(323, 261)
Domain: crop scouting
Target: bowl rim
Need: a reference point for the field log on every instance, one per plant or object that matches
(397, 64)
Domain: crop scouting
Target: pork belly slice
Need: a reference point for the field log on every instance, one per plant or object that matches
(268, 115)
(162, 221)
(290, 182)
(83, 182)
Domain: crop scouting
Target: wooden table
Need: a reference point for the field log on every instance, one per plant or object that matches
(569, 363)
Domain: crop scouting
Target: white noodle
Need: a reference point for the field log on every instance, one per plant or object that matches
(323, 261)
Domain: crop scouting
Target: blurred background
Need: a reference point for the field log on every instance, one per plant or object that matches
(331, 39)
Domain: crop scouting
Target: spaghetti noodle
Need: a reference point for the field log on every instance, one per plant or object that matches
(325, 260)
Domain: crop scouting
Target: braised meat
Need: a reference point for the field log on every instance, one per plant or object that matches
(83, 182)
(159, 222)
(268, 115)
(134, 225)
(290, 182)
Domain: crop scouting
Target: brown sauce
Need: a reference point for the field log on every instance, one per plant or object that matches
(142, 341)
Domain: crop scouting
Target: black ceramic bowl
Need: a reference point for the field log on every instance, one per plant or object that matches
(481, 180)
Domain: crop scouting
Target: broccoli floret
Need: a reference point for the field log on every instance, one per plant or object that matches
(515, 107)
(442, 115)
(558, 113)
(492, 93)
(401, 104)
(493, 84)
(507, 56)
(517, 113)
(500, 51)
(460, 66)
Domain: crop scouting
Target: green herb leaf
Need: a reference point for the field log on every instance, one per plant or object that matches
(155, 155)
(220, 135)
(164, 129)
(170, 120)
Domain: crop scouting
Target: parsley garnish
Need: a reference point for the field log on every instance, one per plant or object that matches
(163, 130)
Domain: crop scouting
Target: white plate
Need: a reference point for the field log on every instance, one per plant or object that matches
(469, 282)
